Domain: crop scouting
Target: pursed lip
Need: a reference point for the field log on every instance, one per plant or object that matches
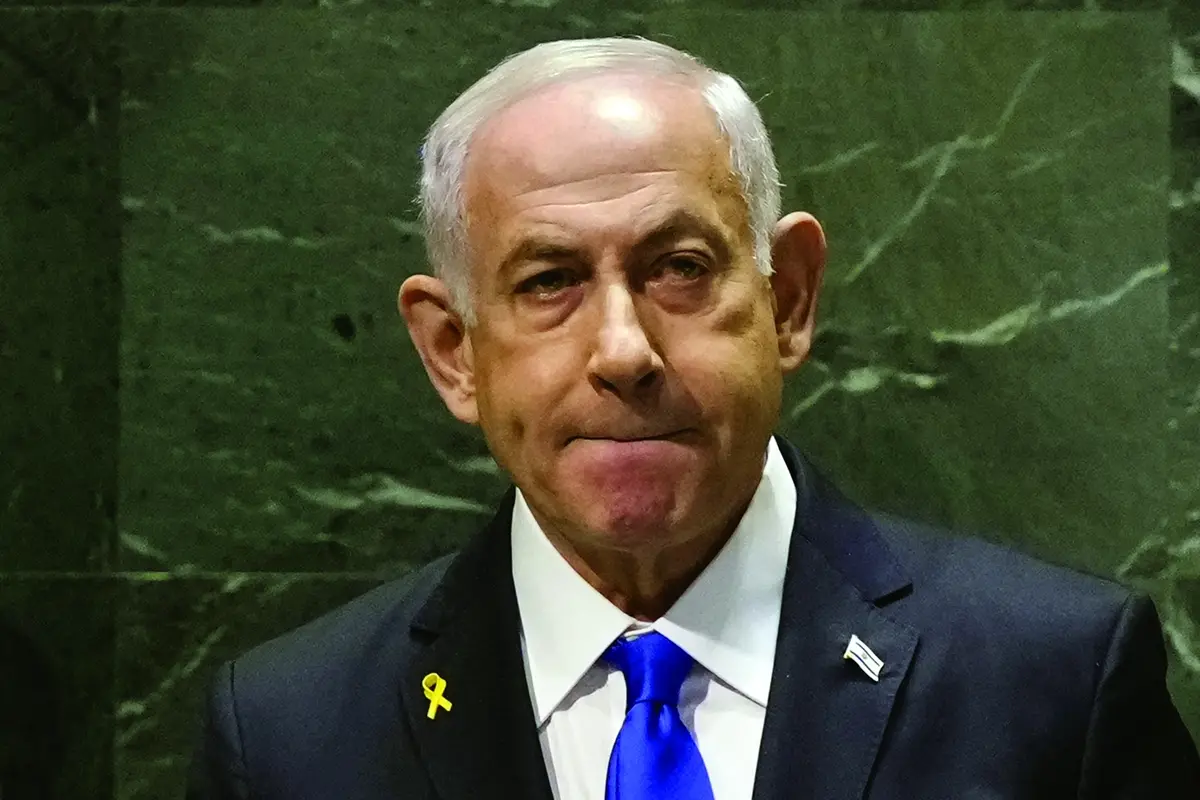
(641, 438)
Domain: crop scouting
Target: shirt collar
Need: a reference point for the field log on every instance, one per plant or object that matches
(727, 620)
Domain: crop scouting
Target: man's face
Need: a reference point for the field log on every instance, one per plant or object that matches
(626, 365)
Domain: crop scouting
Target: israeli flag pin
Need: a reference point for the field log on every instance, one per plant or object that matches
(858, 652)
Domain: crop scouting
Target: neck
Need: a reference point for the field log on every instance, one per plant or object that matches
(646, 584)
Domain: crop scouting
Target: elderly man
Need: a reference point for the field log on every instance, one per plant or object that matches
(671, 603)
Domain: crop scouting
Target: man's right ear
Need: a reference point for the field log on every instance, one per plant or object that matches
(441, 339)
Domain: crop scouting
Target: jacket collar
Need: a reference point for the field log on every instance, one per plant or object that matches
(826, 717)
(485, 744)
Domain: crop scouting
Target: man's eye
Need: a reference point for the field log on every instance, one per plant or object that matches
(687, 267)
(548, 282)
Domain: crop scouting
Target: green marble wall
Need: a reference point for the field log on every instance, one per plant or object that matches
(213, 427)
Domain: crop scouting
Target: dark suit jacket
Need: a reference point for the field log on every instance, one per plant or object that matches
(1003, 678)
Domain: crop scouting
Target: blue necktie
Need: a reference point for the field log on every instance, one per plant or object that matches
(655, 757)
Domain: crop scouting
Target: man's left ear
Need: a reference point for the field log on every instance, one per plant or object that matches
(798, 259)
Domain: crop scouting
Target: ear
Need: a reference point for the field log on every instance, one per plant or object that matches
(798, 258)
(442, 340)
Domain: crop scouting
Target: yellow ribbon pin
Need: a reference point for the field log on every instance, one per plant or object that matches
(435, 686)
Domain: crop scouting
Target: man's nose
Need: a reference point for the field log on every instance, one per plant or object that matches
(624, 360)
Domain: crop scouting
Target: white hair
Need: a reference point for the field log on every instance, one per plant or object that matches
(444, 153)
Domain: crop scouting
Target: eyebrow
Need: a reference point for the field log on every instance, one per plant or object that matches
(677, 225)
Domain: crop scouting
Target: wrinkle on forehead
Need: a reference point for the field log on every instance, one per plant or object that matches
(594, 157)
(601, 188)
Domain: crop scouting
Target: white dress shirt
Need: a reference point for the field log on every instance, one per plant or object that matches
(727, 621)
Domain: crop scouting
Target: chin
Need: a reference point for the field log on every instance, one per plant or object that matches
(637, 521)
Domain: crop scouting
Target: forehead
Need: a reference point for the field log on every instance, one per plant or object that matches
(591, 142)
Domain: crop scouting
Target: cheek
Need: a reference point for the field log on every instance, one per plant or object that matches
(724, 373)
(735, 376)
(519, 388)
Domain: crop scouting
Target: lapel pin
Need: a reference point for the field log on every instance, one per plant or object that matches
(435, 688)
(858, 652)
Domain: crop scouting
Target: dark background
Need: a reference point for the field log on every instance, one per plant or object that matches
(213, 427)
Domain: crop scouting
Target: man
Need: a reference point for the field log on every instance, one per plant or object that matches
(671, 602)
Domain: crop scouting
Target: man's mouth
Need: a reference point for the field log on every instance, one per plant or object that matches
(633, 438)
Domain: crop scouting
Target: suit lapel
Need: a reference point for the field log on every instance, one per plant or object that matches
(826, 717)
(486, 744)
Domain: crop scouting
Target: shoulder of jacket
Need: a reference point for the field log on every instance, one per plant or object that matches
(985, 580)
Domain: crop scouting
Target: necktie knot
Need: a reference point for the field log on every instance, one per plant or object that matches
(654, 668)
